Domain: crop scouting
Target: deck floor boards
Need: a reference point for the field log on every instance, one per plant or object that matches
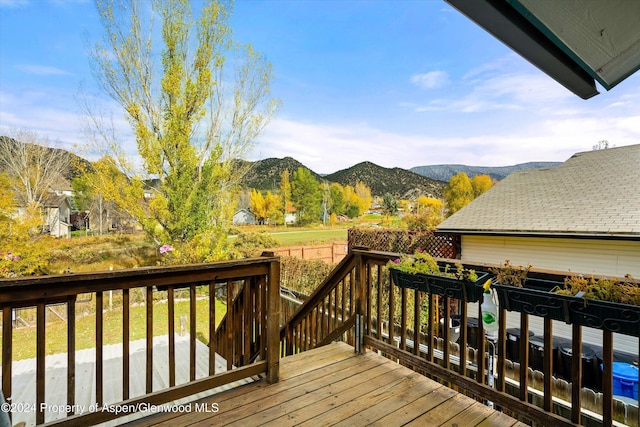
(333, 386)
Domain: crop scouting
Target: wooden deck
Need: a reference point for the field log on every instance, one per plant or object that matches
(331, 385)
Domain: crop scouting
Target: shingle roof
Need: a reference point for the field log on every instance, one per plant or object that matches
(594, 192)
(52, 200)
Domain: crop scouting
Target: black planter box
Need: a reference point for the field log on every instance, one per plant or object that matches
(606, 316)
(451, 287)
(533, 301)
(408, 280)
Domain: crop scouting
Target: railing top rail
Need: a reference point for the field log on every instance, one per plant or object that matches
(20, 289)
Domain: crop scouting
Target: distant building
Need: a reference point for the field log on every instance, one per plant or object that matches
(57, 213)
(243, 217)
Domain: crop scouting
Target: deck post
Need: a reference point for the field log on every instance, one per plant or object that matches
(273, 322)
(360, 308)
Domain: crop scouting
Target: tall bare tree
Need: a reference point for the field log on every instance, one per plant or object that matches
(195, 101)
(32, 165)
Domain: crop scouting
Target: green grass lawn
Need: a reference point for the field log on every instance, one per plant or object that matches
(24, 338)
(310, 237)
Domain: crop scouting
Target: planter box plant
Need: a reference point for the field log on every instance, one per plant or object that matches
(534, 299)
(421, 272)
(606, 304)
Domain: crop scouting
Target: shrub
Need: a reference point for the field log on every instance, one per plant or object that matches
(248, 245)
(303, 275)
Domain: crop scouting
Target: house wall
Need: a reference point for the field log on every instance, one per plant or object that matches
(243, 217)
(588, 256)
(598, 257)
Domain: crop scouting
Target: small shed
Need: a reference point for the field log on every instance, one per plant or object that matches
(57, 212)
(243, 217)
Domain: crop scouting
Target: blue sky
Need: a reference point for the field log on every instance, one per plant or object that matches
(399, 83)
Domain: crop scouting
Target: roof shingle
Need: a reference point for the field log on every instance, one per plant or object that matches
(593, 192)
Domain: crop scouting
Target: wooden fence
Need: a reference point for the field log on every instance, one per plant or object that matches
(331, 253)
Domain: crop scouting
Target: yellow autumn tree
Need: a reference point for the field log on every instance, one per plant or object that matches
(266, 207)
(458, 193)
(480, 184)
(195, 101)
(428, 213)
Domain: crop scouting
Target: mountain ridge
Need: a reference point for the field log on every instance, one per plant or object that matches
(401, 183)
(444, 172)
(430, 180)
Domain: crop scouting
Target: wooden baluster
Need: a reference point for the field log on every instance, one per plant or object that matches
(432, 313)
(212, 328)
(263, 318)
(502, 349)
(172, 335)
(7, 341)
(192, 333)
(576, 372)
(71, 353)
(230, 319)
(391, 314)
(481, 356)
(329, 313)
(445, 331)
(247, 321)
(352, 288)
(149, 337)
(125, 344)
(368, 297)
(524, 356)
(314, 325)
(379, 303)
(403, 318)
(463, 340)
(273, 323)
(417, 308)
(99, 349)
(547, 364)
(607, 378)
(40, 361)
(309, 321)
(344, 300)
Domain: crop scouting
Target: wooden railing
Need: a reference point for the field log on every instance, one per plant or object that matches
(327, 314)
(359, 303)
(254, 282)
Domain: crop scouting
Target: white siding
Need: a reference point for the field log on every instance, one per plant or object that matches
(588, 256)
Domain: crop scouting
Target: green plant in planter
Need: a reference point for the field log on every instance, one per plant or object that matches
(513, 296)
(423, 263)
(510, 275)
(607, 304)
(626, 291)
(419, 262)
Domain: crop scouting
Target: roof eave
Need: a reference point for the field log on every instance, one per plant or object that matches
(551, 234)
(505, 23)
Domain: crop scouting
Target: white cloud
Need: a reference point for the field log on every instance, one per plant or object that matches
(327, 148)
(431, 80)
(41, 70)
(508, 91)
(13, 3)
